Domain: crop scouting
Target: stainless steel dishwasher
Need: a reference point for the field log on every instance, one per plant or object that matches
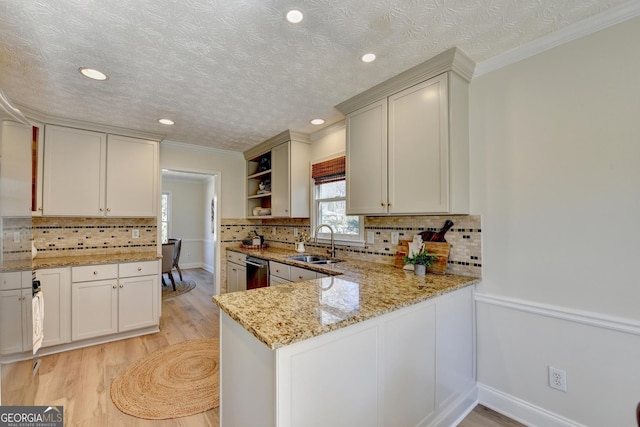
(257, 272)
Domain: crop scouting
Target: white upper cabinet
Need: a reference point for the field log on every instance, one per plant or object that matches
(367, 159)
(74, 172)
(132, 170)
(408, 141)
(278, 177)
(15, 169)
(88, 173)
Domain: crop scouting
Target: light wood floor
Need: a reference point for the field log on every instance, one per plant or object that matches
(80, 379)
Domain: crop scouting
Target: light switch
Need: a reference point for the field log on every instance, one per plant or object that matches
(295, 231)
(16, 237)
(371, 237)
(273, 231)
(394, 237)
(135, 233)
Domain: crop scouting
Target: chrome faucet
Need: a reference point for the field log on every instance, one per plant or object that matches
(332, 253)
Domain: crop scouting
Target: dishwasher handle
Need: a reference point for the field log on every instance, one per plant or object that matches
(256, 264)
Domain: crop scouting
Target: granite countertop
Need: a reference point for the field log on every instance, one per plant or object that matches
(285, 314)
(64, 261)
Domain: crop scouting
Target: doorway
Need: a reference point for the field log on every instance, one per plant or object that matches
(190, 212)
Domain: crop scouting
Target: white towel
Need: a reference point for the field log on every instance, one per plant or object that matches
(37, 305)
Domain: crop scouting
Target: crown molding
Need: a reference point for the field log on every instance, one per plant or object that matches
(452, 59)
(274, 141)
(200, 148)
(341, 124)
(50, 119)
(608, 18)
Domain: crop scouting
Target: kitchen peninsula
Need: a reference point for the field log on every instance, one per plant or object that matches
(369, 345)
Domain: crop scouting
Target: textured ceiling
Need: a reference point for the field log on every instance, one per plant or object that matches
(232, 73)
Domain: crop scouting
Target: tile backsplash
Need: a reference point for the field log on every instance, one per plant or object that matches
(465, 257)
(62, 236)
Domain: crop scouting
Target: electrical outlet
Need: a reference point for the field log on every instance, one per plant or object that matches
(394, 237)
(273, 231)
(135, 233)
(16, 237)
(557, 379)
(295, 231)
(371, 237)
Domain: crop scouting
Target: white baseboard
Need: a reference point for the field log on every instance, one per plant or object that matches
(520, 410)
(457, 410)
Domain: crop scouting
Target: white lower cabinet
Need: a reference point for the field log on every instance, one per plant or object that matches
(56, 291)
(115, 303)
(236, 272)
(410, 367)
(15, 312)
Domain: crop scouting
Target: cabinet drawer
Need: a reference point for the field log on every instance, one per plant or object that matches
(86, 273)
(275, 281)
(236, 257)
(139, 268)
(15, 280)
(280, 270)
(300, 274)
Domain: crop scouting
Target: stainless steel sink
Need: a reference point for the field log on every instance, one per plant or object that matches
(314, 259)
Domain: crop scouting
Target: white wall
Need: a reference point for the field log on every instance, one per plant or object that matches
(555, 174)
(187, 207)
(230, 167)
(328, 142)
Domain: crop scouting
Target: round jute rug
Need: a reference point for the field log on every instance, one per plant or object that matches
(182, 287)
(176, 381)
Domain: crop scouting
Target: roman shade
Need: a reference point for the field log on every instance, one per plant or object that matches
(329, 171)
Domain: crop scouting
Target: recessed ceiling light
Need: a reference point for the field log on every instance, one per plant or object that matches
(368, 57)
(317, 122)
(167, 122)
(294, 16)
(92, 73)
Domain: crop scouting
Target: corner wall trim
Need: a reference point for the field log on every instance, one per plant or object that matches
(619, 324)
(520, 410)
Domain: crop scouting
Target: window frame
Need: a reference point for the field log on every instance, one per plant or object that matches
(323, 235)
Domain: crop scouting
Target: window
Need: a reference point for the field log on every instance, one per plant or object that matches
(330, 202)
(166, 215)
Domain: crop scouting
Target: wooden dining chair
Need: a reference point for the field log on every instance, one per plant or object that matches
(168, 250)
(176, 254)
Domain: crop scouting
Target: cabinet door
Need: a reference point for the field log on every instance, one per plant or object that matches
(11, 321)
(74, 172)
(418, 148)
(367, 160)
(137, 302)
(94, 307)
(232, 277)
(15, 169)
(56, 290)
(242, 278)
(275, 280)
(280, 181)
(132, 169)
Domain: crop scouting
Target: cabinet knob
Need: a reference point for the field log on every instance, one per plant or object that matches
(381, 203)
(108, 209)
(388, 204)
(101, 210)
(115, 286)
(139, 268)
(40, 209)
(121, 286)
(95, 273)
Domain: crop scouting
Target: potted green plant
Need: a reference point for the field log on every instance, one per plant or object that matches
(420, 261)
